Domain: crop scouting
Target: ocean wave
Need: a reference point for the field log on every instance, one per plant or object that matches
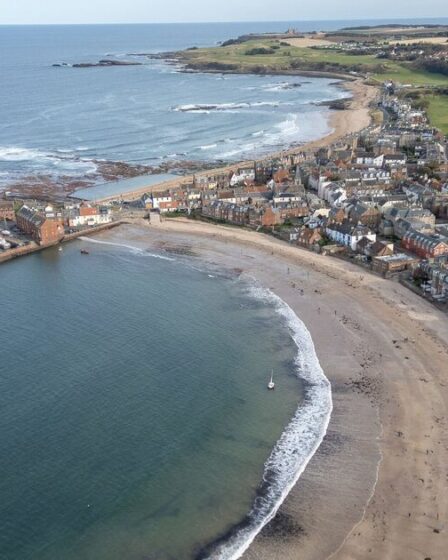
(196, 108)
(208, 147)
(285, 132)
(173, 155)
(132, 248)
(287, 86)
(290, 126)
(48, 162)
(297, 444)
(12, 153)
(275, 86)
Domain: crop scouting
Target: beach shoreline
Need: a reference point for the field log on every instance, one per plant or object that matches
(342, 123)
(376, 486)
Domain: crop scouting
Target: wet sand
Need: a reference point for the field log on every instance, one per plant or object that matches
(377, 486)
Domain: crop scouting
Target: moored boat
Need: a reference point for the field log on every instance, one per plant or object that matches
(271, 384)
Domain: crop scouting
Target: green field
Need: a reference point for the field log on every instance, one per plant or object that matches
(438, 112)
(281, 59)
(406, 75)
(288, 58)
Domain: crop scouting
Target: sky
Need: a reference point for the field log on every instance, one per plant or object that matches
(155, 11)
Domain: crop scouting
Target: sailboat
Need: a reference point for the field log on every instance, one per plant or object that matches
(271, 384)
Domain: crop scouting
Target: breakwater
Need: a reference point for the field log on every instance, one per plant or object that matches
(34, 247)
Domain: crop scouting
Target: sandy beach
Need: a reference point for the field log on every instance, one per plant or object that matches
(353, 119)
(377, 486)
(342, 123)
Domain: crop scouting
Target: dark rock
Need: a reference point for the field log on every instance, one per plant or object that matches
(106, 63)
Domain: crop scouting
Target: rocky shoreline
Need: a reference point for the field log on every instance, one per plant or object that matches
(185, 64)
(104, 63)
(53, 189)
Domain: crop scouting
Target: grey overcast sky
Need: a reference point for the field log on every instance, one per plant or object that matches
(147, 11)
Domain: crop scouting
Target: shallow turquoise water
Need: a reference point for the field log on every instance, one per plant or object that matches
(133, 404)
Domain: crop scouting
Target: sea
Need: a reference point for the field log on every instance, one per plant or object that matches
(135, 420)
(60, 121)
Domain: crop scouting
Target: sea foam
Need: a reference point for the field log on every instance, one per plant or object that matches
(132, 248)
(297, 444)
(54, 163)
(200, 108)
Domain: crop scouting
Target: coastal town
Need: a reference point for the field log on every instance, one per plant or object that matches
(378, 198)
(224, 253)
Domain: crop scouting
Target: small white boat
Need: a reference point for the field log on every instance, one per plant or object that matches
(271, 384)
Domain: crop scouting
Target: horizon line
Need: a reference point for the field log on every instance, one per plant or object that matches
(416, 18)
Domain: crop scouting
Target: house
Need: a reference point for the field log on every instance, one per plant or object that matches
(362, 157)
(242, 175)
(308, 237)
(394, 160)
(171, 206)
(287, 198)
(89, 216)
(271, 217)
(7, 210)
(362, 245)
(332, 192)
(400, 227)
(412, 214)
(159, 198)
(393, 263)
(43, 230)
(436, 271)
(293, 211)
(364, 214)
(386, 228)
(379, 249)
(348, 234)
(374, 248)
(337, 215)
(227, 196)
(425, 246)
(281, 176)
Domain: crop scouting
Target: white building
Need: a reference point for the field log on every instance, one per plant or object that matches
(90, 216)
(241, 176)
(348, 234)
(158, 198)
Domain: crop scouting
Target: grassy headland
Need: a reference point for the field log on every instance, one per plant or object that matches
(415, 57)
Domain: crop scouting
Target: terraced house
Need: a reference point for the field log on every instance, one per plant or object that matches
(42, 229)
(425, 246)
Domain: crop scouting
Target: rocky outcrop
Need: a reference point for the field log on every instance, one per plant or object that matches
(336, 104)
(102, 63)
